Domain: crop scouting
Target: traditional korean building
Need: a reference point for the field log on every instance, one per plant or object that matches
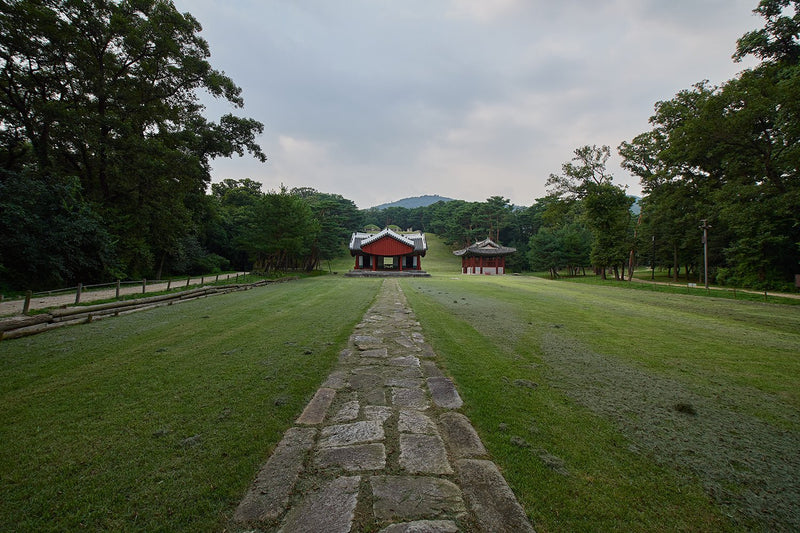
(388, 253)
(484, 257)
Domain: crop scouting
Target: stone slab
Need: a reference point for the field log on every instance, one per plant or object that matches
(413, 421)
(410, 398)
(423, 454)
(347, 412)
(406, 343)
(353, 458)
(422, 526)
(336, 380)
(430, 369)
(410, 383)
(370, 385)
(490, 498)
(407, 360)
(314, 413)
(415, 498)
(366, 342)
(349, 434)
(461, 436)
(330, 509)
(376, 353)
(444, 393)
(427, 351)
(381, 413)
(269, 494)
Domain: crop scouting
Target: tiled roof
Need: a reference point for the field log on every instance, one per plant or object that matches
(486, 247)
(415, 240)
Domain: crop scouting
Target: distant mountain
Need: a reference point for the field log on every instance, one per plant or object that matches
(416, 201)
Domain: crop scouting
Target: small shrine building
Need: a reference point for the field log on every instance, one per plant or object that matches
(484, 257)
(388, 252)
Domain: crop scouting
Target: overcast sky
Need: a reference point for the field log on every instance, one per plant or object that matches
(378, 100)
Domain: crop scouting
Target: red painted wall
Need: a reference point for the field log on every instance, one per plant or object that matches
(387, 246)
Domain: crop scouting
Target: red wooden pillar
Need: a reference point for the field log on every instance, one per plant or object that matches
(374, 262)
(400, 260)
(419, 262)
(355, 267)
(481, 264)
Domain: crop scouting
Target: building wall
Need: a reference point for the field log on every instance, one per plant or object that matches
(387, 247)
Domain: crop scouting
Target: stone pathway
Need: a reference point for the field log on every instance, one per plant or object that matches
(382, 447)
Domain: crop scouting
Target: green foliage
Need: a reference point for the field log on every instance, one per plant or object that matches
(585, 187)
(280, 232)
(336, 217)
(51, 236)
(730, 155)
(107, 92)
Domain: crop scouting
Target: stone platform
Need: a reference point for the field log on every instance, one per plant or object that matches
(387, 274)
(382, 446)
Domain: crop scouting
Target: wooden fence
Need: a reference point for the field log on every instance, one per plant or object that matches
(20, 326)
(114, 290)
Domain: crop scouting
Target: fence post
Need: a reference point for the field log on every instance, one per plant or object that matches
(202, 280)
(117, 289)
(27, 305)
(78, 293)
(169, 283)
(188, 279)
(237, 278)
(144, 285)
(217, 278)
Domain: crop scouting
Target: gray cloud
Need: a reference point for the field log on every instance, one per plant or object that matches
(468, 99)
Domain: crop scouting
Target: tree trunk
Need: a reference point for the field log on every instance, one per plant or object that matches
(675, 262)
(161, 266)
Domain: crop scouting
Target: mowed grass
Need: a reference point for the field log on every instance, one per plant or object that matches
(616, 410)
(159, 420)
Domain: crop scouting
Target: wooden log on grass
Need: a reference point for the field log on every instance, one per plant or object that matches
(22, 322)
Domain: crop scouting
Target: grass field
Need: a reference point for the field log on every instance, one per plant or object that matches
(607, 409)
(613, 409)
(158, 421)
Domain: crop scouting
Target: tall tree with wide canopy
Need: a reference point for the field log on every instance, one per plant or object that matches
(107, 91)
(605, 206)
(731, 155)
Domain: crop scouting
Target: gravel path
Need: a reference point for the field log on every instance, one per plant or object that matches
(382, 446)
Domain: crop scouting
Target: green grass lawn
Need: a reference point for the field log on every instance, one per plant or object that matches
(607, 409)
(160, 420)
(611, 409)
(666, 285)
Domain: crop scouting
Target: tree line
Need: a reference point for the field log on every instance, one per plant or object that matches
(105, 160)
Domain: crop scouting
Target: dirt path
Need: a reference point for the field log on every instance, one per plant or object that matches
(382, 446)
(42, 301)
(713, 288)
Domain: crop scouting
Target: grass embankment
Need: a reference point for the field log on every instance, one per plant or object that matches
(626, 410)
(160, 420)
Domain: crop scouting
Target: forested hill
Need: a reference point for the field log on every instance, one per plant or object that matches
(415, 201)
